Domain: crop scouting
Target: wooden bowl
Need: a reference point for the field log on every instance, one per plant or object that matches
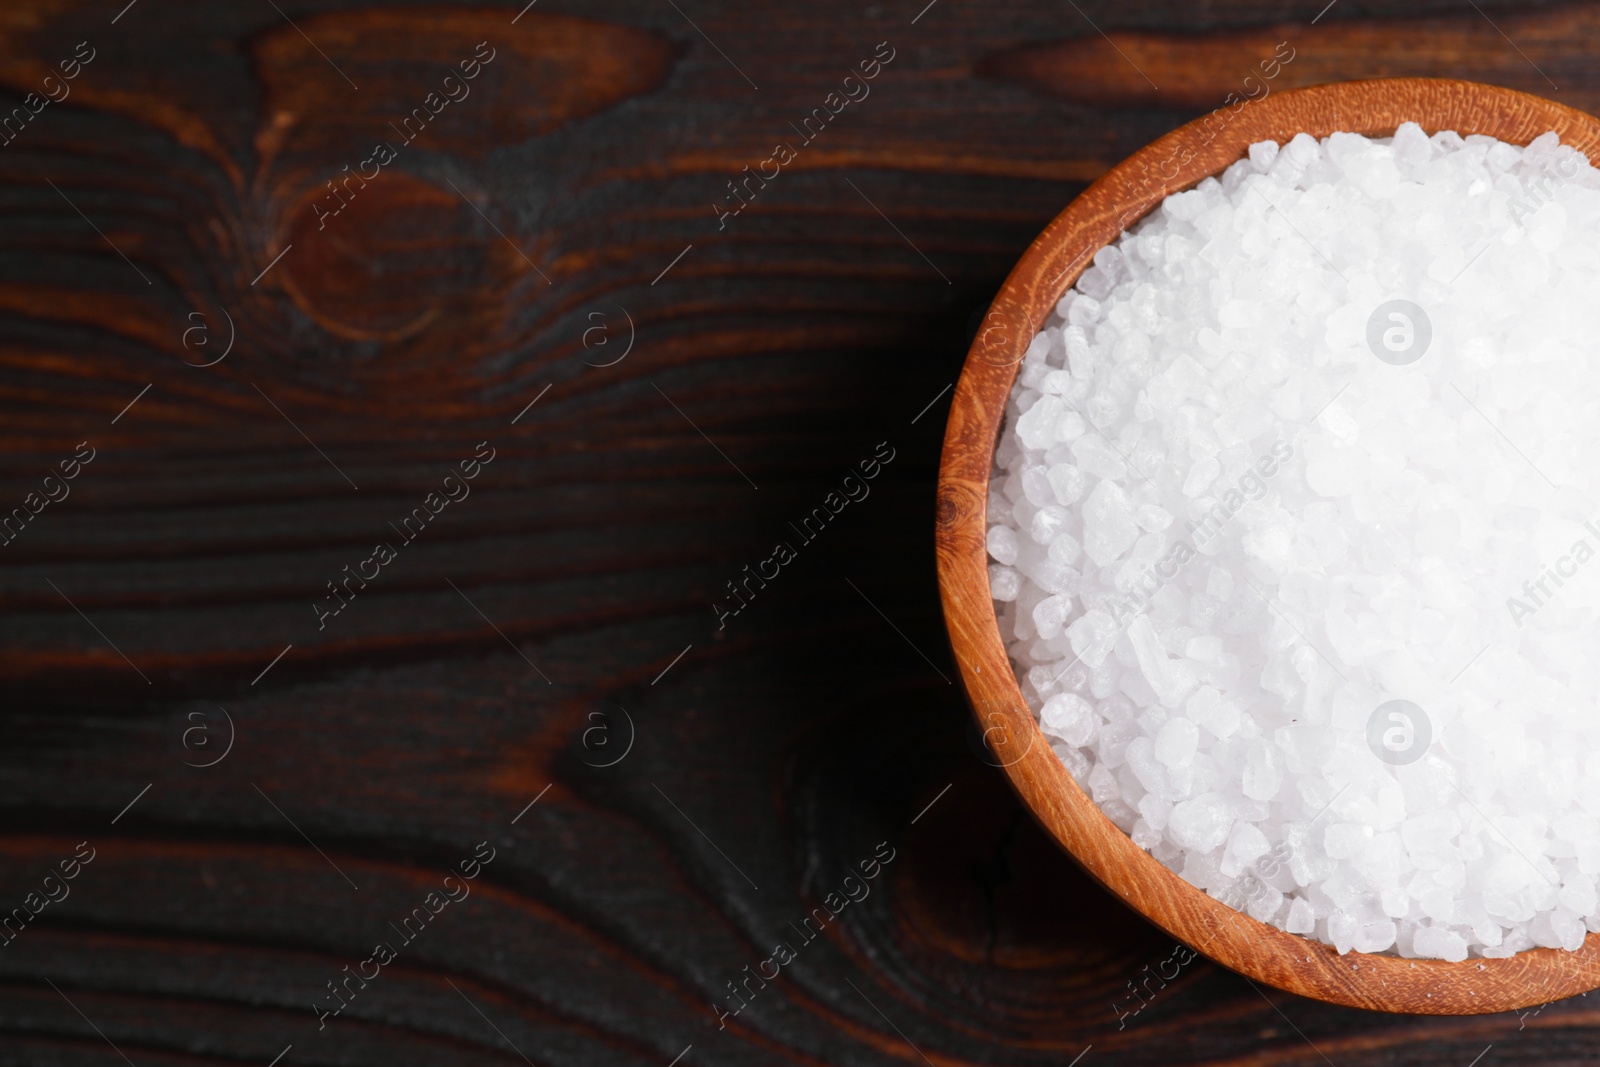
(1050, 266)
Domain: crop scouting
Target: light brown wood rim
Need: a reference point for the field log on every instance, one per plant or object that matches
(1049, 267)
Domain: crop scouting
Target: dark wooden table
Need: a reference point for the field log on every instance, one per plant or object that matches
(278, 715)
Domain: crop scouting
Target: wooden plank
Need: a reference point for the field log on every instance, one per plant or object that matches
(147, 212)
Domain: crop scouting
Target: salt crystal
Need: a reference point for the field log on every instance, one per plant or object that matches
(1344, 840)
(1047, 523)
(1569, 930)
(1066, 481)
(1201, 475)
(1375, 937)
(1064, 548)
(1262, 773)
(1177, 742)
(1439, 943)
(1092, 635)
(1219, 583)
(1342, 930)
(1264, 903)
(1069, 717)
(1262, 153)
(1411, 146)
(1003, 544)
(1165, 677)
(1152, 517)
(1108, 526)
(1200, 824)
(1037, 426)
(1246, 843)
(1049, 614)
(1098, 458)
(1036, 487)
(1004, 583)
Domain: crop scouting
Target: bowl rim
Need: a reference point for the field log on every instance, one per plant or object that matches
(1051, 265)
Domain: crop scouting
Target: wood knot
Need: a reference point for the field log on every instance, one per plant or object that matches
(949, 510)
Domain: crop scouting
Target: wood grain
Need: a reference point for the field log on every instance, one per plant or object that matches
(1546, 57)
(1050, 266)
(408, 330)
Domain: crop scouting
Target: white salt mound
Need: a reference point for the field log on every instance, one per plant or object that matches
(1295, 515)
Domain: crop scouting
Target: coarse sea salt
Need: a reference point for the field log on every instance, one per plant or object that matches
(1293, 522)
